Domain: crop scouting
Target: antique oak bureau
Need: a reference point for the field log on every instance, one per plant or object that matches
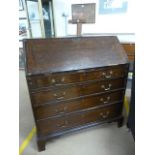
(75, 83)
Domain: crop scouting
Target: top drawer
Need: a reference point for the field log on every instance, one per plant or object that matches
(79, 76)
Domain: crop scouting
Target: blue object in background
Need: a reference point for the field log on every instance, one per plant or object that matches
(106, 7)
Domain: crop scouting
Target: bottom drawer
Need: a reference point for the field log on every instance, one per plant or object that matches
(70, 121)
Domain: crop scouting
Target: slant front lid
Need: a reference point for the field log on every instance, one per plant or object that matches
(68, 54)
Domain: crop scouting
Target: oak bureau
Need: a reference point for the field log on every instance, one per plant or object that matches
(75, 83)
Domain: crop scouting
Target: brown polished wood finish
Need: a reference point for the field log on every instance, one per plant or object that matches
(130, 50)
(75, 77)
(75, 83)
(77, 119)
(58, 94)
(74, 105)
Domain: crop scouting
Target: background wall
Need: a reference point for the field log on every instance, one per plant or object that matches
(106, 24)
(118, 24)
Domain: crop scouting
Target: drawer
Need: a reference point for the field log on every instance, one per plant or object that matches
(74, 77)
(110, 73)
(75, 120)
(43, 97)
(54, 79)
(64, 93)
(103, 86)
(84, 103)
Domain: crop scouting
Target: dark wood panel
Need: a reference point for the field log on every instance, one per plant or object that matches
(71, 106)
(45, 55)
(44, 97)
(74, 77)
(76, 129)
(103, 86)
(66, 122)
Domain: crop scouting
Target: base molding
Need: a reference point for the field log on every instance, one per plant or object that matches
(41, 140)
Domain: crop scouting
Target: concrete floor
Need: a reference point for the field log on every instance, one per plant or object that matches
(102, 140)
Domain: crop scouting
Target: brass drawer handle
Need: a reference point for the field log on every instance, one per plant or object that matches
(62, 125)
(60, 97)
(111, 72)
(53, 81)
(107, 100)
(63, 79)
(65, 124)
(106, 75)
(63, 110)
(55, 95)
(105, 115)
(101, 99)
(109, 87)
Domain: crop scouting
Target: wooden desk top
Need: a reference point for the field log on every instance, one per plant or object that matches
(70, 54)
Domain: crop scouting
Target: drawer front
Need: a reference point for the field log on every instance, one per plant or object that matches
(88, 102)
(44, 97)
(76, 91)
(75, 120)
(103, 86)
(66, 78)
(114, 72)
(53, 80)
